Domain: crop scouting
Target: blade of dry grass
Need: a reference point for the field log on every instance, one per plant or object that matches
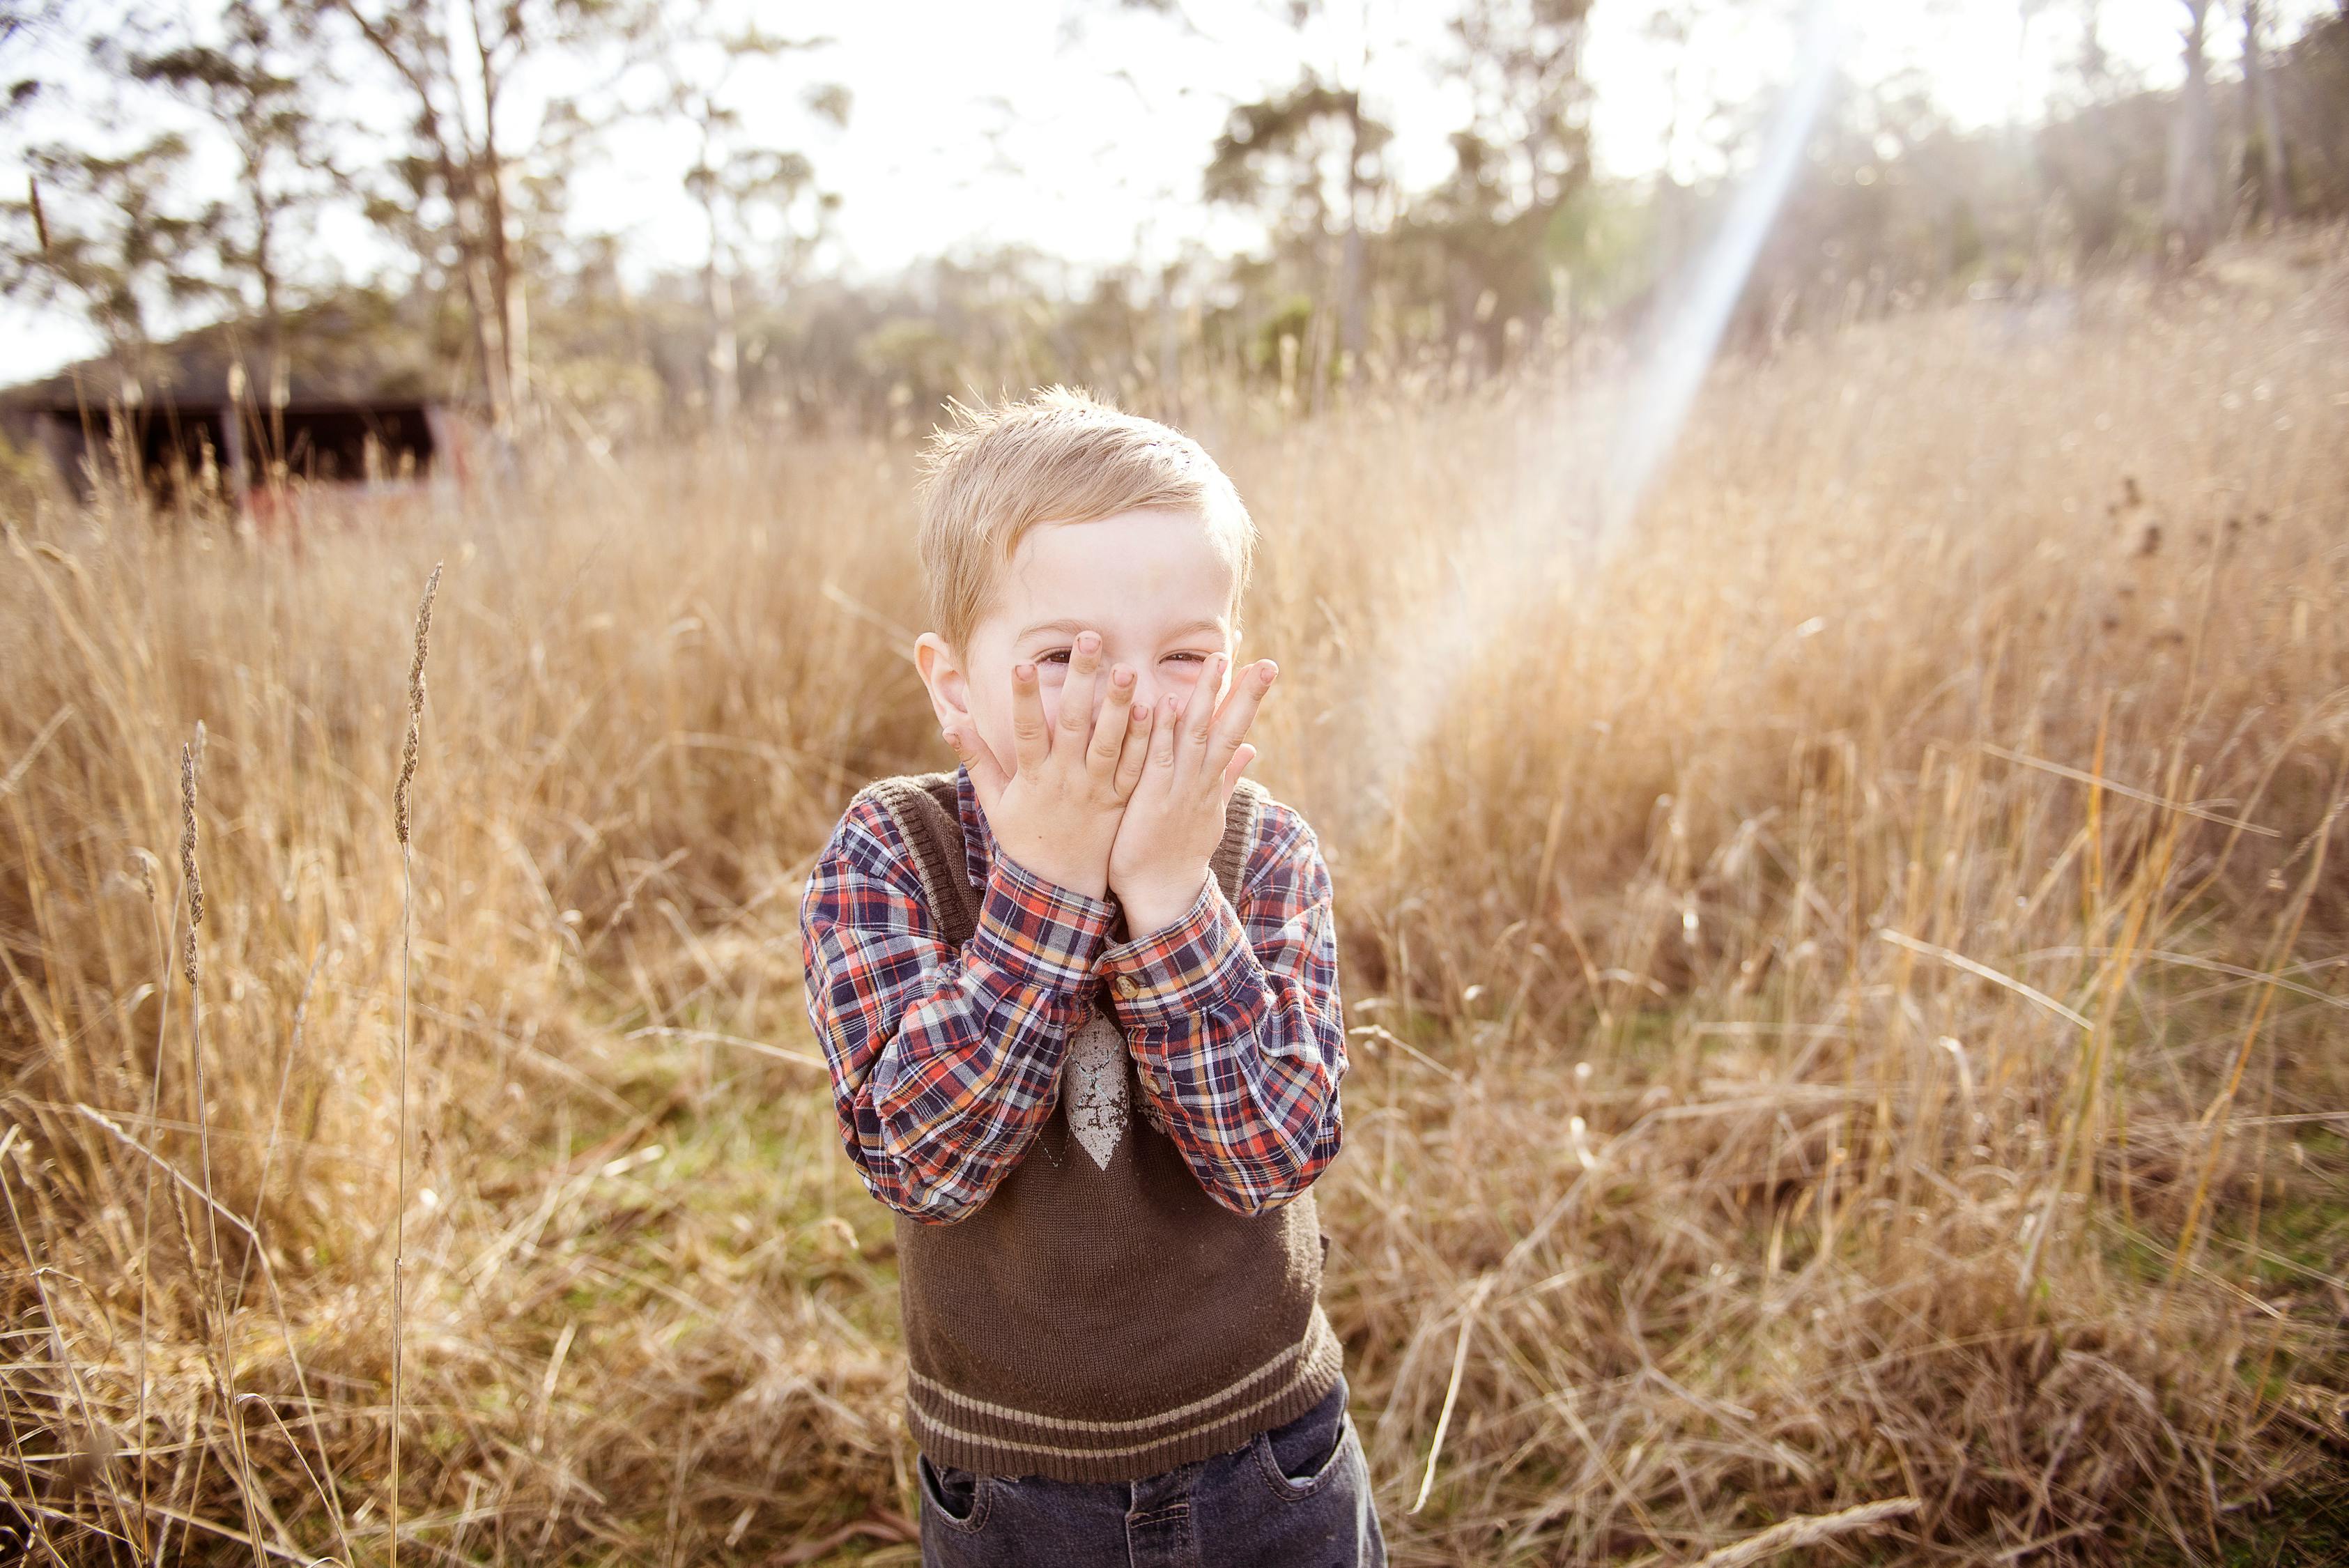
(409, 746)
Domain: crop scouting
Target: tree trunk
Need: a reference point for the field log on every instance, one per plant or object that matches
(483, 306)
(490, 171)
(498, 252)
(1170, 349)
(273, 319)
(2189, 206)
(517, 319)
(1353, 330)
(725, 360)
(2258, 88)
(459, 180)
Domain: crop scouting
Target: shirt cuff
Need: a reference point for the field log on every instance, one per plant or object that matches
(1038, 933)
(1189, 967)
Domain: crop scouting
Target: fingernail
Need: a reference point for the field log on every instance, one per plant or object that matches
(1141, 711)
(1025, 671)
(1123, 677)
(947, 736)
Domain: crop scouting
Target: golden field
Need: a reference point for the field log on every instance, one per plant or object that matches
(1846, 995)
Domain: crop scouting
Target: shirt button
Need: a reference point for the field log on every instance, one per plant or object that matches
(1124, 986)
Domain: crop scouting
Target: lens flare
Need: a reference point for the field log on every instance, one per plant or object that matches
(1597, 451)
(1675, 363)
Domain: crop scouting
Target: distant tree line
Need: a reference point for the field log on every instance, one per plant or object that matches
(500, 302)
(1899, 206)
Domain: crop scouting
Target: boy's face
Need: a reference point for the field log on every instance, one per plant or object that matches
(1151, 585)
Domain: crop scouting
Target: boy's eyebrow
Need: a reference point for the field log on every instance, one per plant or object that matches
(1070, 627)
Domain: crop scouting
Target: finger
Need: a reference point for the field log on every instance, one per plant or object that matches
(1077, 689)
(987, 779)
(1109, 730)
(1205, 695)
(1233, 769)
(1162, 733)
(1240, 709)
(1030, 738)
(1137, 747)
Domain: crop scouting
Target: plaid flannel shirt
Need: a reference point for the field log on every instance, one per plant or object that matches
(945, 1064)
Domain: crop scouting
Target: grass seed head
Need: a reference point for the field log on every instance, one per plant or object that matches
(192, 759)
(408, 749)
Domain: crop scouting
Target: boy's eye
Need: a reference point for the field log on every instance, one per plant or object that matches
(1060, 656)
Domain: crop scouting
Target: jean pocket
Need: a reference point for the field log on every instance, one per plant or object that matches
(1300, 1458)
(955, 1497)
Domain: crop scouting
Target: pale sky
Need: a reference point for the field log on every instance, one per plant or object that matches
(1081, 129)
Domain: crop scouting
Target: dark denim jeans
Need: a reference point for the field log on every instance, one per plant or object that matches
(1297, 1496)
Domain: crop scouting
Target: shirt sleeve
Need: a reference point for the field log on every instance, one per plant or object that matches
(944, 1062)
(1234, 1020)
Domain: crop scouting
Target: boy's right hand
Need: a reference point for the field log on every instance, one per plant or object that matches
(1058, 815)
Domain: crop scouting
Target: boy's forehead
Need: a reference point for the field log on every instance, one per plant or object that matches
(1151, 572)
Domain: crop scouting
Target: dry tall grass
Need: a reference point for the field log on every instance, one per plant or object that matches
(1846, 1002)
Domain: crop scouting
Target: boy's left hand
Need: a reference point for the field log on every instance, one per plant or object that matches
(1175, 818)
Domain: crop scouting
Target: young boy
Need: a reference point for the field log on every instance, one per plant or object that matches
(1079, 1001)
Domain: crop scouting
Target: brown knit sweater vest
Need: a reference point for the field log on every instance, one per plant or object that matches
(1091, 1323)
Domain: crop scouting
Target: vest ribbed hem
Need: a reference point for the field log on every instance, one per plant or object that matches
(996, 1439)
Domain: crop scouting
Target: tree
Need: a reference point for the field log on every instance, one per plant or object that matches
(457, 86)
(2189, 206)
(2311, 77)
(252, 84)
(1299, 157)
(736, 185)
(1524, 158)
(98, 232)
(22, 23)
(1521, 61)
(2267, 125)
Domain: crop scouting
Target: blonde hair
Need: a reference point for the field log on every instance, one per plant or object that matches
(1062, 455)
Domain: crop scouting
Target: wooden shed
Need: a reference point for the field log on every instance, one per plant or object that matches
(208, 409)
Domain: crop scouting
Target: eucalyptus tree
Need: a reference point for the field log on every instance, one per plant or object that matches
(103, 227)
(257, 81)
(106, 234)
(2189, 201)
(2266, 124)
(24, 25)
(760, 206)
(1307, 159)
(1520, 162)
(463, 70)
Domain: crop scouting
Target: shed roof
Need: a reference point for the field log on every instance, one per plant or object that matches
(341, 353)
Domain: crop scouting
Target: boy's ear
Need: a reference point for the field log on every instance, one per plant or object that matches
(943, 674)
